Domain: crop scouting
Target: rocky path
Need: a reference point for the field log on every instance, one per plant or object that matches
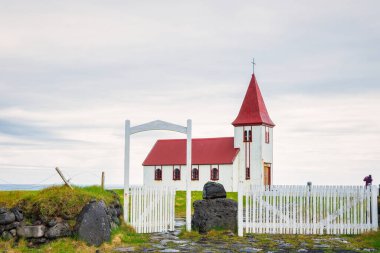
(230, 243)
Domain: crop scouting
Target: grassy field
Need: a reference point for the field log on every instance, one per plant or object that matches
(180, 200)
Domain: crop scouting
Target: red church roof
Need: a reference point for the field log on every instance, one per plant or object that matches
(204, 151)
(253, 110)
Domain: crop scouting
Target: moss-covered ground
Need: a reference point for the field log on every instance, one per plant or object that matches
(272, 242)
(54, 201)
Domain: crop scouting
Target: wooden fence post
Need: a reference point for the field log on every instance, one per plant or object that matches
(63, 178)
(102, 183)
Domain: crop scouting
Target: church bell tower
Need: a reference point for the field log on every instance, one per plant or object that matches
(253, 135)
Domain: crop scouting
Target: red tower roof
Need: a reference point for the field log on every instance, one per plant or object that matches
(253, 110)
(204, 151)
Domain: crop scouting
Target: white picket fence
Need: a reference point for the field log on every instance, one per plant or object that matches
(152, 209)
(308, 210)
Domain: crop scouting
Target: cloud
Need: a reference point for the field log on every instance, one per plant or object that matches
(71, 72)
(24, 130)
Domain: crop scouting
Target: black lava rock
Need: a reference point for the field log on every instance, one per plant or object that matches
(214, 213)
(93, 225)
(58, 230)
(6, 217)
(18, 213)
(212, 190)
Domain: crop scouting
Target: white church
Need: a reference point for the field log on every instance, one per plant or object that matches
(245, 157)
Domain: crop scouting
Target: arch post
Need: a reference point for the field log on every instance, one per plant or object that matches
(126, 170)
(188, 175)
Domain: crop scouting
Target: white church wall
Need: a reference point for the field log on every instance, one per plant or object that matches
(235, 173)
(238, 143)
(225, 177)
(149, 177)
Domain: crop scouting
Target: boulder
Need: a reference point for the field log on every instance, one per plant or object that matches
(6, 217)
(214, 214)
(93, 225)
(52, 222)
(58, 230)
(35, 231)
(212, 190)
(11, 225)
(6, 236)
(18, 213)
(13, 232)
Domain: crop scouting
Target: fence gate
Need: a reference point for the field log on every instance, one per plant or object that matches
(147, 201)
(308, 210)
(152, 208)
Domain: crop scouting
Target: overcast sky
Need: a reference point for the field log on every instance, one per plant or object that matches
(71, 72)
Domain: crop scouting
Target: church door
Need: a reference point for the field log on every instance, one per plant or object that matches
(267, 174)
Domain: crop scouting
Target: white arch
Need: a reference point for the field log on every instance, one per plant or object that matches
(158, 125)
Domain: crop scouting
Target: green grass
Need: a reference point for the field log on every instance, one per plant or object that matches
(11, 198)
(54, 201)
(363, 240)
(180, 201)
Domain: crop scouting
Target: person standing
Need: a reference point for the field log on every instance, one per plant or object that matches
(368, 180)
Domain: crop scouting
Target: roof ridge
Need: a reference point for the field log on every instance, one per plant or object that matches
(209, 138)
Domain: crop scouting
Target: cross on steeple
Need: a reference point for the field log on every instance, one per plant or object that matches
(253, 65)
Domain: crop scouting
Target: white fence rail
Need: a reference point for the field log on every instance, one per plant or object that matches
(152, 209)
(308, 210)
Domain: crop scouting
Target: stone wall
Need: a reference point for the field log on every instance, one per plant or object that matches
(93, 224)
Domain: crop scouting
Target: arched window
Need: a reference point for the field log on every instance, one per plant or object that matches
(267, 139)
(247, 136)
(215, 174)
(176, 174)
(195, 174)
(158, 174)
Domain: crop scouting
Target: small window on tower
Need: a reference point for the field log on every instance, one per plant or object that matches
(247, 173)
(267, 140)
(247, 135)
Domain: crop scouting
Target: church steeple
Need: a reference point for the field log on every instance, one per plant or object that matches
(253, 110)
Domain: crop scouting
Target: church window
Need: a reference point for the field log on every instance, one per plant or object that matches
(158, 174)
(247, 135)
(215, 174)
(247, 173)
(195, 174)
(176, 174)
(267, 140)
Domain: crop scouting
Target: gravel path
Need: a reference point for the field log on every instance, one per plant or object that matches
(171, 242)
